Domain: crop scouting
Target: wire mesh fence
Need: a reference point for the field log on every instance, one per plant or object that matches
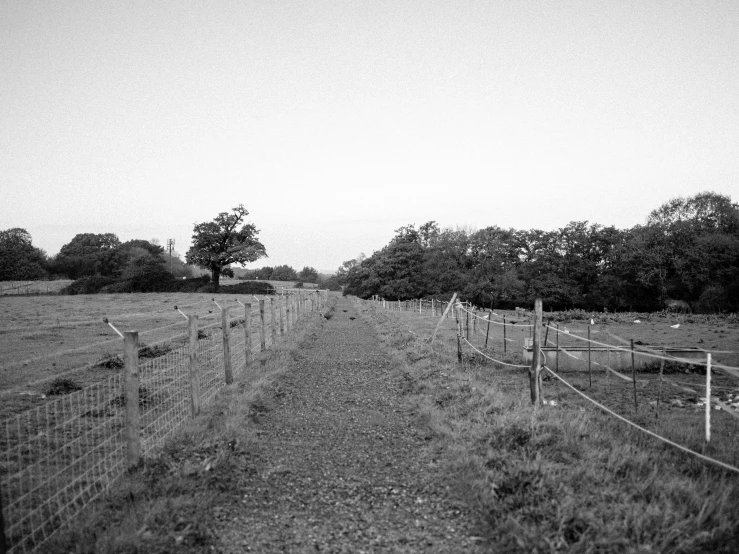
(59, 457)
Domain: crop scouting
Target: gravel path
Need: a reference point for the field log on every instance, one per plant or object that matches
(342, 464)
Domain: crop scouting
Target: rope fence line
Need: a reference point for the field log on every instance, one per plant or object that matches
(58, 457)
(709, 401)
(642, 429)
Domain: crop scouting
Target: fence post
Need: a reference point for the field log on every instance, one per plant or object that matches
(505, 345)
(287, 314)
(556, 363)
(459, 339)
(633, 375)
(487, 331)
(262, 330)
(708, 397)
(248, 358)
(131, 397)
(282, 316)
(192, 321)
(3, 540)
(536, 357)
(590, 367)
(272, 321)
(226, 328)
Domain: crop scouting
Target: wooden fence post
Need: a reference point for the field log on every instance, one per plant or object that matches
(262, 330)
(505, 341)
(192, 321)
(288, 323)
(272, 320)
(282, 316)
(556, 363)
(446, 311)
(226, 328)
(536, 357)
(3, 540)
(131, 397)
(487, 331)
(249, 356)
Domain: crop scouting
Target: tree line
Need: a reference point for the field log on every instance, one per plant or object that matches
(106, 264)
(688, 249)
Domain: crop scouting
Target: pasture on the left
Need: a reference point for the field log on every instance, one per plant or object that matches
(46, 337)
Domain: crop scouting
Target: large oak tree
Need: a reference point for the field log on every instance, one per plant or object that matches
(224, 241)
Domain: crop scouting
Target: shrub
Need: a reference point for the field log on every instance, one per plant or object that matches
(87, 285)
(248, 287)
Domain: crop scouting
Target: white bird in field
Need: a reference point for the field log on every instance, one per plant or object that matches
(592, 322)
(677, 325)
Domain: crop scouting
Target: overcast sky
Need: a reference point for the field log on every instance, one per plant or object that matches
(336, 122)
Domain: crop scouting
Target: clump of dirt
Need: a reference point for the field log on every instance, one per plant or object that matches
(110, 361)
(153, 351)
(62, 386)
(145, 398)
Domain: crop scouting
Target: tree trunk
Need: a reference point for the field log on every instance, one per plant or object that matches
(216, 276)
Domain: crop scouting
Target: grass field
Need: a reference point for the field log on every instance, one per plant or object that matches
(32, 287)
(43, 337)
(568, 477)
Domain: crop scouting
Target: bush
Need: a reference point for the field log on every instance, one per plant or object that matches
(248, 287)
(87, 285)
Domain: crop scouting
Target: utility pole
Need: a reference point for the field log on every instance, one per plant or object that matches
(170, 246)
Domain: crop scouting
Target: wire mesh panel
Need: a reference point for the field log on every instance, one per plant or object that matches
(164, 397)
(57, 458)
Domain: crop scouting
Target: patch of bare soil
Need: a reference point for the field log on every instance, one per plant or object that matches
(342, 463)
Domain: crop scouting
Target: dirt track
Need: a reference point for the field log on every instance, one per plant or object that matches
(342, 464)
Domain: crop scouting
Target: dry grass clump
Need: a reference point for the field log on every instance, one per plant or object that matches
(565, 478)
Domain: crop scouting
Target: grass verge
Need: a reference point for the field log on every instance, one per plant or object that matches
(564, 479)
(170, 502)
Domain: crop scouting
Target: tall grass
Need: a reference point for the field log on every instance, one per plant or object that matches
(558, 479)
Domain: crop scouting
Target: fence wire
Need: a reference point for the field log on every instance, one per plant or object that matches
(57, 458)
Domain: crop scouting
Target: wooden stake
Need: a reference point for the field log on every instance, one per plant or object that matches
(556, 356)
(487, 332)
(536, 357)
(272, 320)
(282, 316)
(226, 328)
(192, 321)
(247, 335)
(262, 329)
(661, 373)
(131, 391)
(505, 346)
(446, 311)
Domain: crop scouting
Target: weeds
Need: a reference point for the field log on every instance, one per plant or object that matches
(558, 479)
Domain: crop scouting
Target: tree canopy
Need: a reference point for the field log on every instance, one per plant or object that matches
(224, 241)
(688, 249)
(19, 259)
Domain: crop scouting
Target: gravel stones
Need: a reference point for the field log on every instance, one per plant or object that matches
(341, 464)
